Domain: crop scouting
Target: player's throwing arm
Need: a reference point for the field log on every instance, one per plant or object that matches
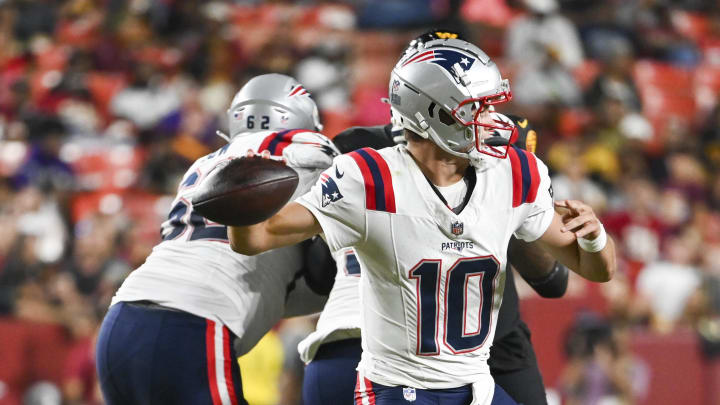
(577, 238)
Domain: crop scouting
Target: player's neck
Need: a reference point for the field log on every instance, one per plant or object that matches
(440, 167)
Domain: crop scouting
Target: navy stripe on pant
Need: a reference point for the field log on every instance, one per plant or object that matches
(148, 355)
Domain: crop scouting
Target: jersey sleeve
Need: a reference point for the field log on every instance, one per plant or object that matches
(537, 214)
(337, 200)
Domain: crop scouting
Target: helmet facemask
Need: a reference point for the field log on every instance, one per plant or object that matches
(482, 124)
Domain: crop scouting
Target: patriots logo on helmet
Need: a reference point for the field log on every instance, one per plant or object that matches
(330, 191)
(454, 62)
(298, 91)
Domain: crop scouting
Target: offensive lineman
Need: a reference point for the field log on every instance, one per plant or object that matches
(178, 323)
(333, 351)
(433, 278)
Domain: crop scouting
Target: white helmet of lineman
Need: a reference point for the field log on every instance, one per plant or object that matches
(272, 102)
(441, 89)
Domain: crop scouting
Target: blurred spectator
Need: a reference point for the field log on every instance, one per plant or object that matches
(544, 47)
(147, 99)
(547, 83)
(543, 33)
(325, 73)
(94, 268)
(572, 182)
(615, 80)
(651, 22)
(637, 229)
(43, 166)
(602, 369)
(667, 284)
(710, 138)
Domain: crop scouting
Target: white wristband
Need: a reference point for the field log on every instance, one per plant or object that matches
(594, 245)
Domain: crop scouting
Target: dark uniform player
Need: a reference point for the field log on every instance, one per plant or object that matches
(330, 376)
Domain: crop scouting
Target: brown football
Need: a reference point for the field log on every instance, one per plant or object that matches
(246, 191)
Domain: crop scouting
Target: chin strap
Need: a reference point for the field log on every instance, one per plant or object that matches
(222, 135)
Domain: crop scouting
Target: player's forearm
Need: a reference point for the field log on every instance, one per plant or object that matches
(248, 240)
(547, 276)
(597, 266)
(293, 224)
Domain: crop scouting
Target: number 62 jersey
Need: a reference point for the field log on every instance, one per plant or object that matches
(194, 269)
(432, 280)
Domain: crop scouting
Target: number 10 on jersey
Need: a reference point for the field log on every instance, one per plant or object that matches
(457, 299)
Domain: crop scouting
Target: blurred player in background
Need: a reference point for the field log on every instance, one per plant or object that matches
(430, 224)
(333, 351)
(178, 323)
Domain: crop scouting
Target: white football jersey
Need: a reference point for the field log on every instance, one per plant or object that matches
(194, 269)
(432, 280)
(340, 319)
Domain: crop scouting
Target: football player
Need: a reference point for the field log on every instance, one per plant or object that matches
(333, 351)
(178, 323)
(430, 225)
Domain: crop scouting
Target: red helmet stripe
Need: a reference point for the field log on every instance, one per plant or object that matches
(422, 55)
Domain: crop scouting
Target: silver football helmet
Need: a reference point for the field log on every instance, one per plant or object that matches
(443, 90)
(272, 102)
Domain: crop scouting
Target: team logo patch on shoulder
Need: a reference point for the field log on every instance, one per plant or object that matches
(330, 191)
(409, 394)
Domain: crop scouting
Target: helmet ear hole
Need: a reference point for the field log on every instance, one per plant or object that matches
(446, 118)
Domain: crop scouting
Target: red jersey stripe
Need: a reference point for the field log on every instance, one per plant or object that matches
(286, 140)
(516, 177)
(387, 179)
(367, 177)
(534, 177)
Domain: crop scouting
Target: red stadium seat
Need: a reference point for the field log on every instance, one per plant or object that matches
(103, 87)
(110, 169)
(667, 92)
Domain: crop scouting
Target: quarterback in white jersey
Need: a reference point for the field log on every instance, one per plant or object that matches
(194, 298)
(433, 276)
(431, 325)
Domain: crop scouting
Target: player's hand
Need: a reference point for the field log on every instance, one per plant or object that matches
(264, 154)
(579, 219)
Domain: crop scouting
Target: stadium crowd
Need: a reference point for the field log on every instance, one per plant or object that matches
(104, 103)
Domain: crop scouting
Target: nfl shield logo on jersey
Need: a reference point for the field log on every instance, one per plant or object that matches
(409, 394)
(330, 190)
(457, 228)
